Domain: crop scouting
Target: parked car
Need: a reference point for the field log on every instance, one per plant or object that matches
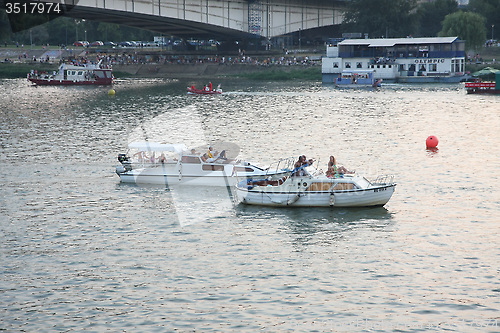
(97, 43)
(81, 43)
(109, 44)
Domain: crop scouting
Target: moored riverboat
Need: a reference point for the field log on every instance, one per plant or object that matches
(484, 87)
(74, 74)
(404, 60)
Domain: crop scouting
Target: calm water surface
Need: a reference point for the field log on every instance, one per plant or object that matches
(82, 252)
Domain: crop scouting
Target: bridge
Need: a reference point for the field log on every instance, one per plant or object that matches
(215, 18)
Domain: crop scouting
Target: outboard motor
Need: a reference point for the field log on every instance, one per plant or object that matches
(125, 161)
(123, 158)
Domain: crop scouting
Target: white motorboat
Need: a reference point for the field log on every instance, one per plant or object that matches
(169, 164)
(307, 190)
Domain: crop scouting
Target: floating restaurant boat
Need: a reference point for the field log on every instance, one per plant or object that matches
(405, 60)
(207, 90)
(169, 164)
(357, 79)
(69, 74)
(315, 191)
(484, 87)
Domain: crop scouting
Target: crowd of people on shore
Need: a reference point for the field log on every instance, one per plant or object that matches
(133, 58)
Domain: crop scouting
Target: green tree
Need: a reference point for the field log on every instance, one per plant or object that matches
(490, 9)
(61, 31)
(389, 18)
(109, 32)
(432, 14)
(4, 27)
(467, 26)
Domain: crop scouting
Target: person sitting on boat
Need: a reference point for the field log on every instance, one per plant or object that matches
(204, 158)
(211, 155)
(300, 165)
(210, 152)
(333, 170)
(222, 156)
(141, 156)
(210, 86)
(306, 162)
(296, 166)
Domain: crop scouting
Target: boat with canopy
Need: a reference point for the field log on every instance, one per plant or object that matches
(168, 164)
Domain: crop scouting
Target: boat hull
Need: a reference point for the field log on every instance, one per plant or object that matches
(192, 91)
(55, 82)
(186, 174)
(376, 196)
(148, 177)
(485, 92)
(431, 79)
(290, 195)
(481, 88)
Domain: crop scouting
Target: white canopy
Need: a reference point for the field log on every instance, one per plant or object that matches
(157, 146)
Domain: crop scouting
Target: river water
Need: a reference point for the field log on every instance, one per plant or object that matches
(82, 252)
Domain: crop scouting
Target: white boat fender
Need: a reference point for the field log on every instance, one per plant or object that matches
(332, 199)
(294, 199)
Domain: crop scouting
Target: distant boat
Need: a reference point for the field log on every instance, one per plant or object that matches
(69, 74)
(207, 90)
(484, 87)
(358, 79)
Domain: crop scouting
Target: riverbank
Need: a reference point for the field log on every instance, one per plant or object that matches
(179, 71)
(16, 63)
(219, 70)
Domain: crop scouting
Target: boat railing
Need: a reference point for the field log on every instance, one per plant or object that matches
(383, 180)
(283, 165)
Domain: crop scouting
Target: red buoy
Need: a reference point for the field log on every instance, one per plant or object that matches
(432, 142)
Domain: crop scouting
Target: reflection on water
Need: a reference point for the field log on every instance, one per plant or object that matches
(432, 151)
(82, 251)
(319, 215)
(319, 225)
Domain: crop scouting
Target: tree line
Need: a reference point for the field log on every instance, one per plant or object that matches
(65, 31)
(474, 23)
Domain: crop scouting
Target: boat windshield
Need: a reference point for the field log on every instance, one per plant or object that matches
(287, 165)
